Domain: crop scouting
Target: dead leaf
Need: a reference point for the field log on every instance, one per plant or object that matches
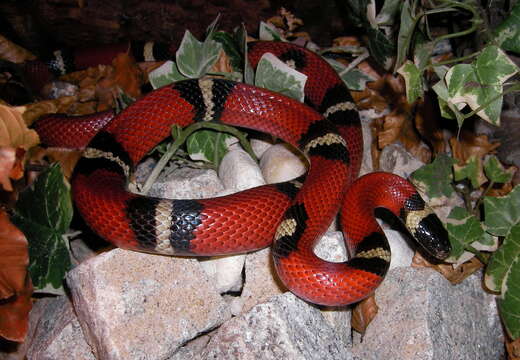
(513, 349)
(15, 283)
(35, 110)
(468, 144)
(453, 275)
(11, 166)
(11, 52)
(363, 314)
(346, 41)
(127, 75)
(66, 157)
(223, 63)
(14, 131)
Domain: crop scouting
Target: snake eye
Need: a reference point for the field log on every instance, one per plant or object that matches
(432, 235)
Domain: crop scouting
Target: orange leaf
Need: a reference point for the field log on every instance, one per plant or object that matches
(453, 275)
(127, 75)
(11, 166)
(14, 131)
(513, 349)
(11, 52)
(15, 283)
(66, 157)
(364, 313)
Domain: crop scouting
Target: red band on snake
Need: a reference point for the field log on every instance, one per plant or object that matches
(291, 216)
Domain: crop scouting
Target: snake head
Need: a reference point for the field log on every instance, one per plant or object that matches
(433, 237)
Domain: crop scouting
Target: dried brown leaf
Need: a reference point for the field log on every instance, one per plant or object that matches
(363, 314)
(513, 349)
(469, 144)
(15, 283)
(11, 166)
(14, 131)
(453, 275)
(11, 52)
(66, 157)
(223, 63)
(35, 110)
(346, 41)
(127, 75)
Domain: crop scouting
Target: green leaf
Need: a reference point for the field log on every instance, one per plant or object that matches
(480, 84)
(275, 75)
(231, 48)
(435, 178)
(496, 172)
(441, 90)
(165, 74)
(471, 171)
(209, 145)
(493, 67)
(502, 259)
(354, 78)
(413, 81)
(44, 212)
(388, 14)
(406, 30)
(508, 32)
(268, 32)
(509, 302)
(381, 48)
(241, 39)
(464, 229)
(195, 58)
(502, 213)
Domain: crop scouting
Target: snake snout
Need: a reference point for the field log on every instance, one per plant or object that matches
(432, 235)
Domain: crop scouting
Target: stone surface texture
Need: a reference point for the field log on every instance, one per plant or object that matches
(136, 306)
(283, 328)
(422, 316)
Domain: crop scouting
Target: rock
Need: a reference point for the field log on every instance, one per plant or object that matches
(225, 271)
(402, 254)
(395, 159)
(331, 247)
(187, 183)
(261, 281)
(192, 350)
(280, 164)
(283, 328)
(422, 316)
(239, 171)
(57, 89)
(58, 334)
(134, 306)
(261, 145)
(366, 118)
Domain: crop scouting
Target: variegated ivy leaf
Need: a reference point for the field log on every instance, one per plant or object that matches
(502, 260)
(501, 213)
(195, 58)
(472, 171)
(496, 172)
(387, 15)
(354, 79)
(268, 32)
(413, 81)
(441, 90)
(479, 83)
(381, 48)
(275, 75)
(465, 229)
(435, 179)
(406, 30)
(165, 74)
(209, 145)
(508, 32)
(509, 302)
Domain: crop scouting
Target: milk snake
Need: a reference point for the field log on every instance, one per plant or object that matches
(290, 216)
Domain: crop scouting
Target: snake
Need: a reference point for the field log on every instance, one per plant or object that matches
(290, 217)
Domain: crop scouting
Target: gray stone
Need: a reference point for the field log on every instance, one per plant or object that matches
(57, 333)
(283, 328)
(239, 171)
(422, 316)
(395, 159)
(225, 271)
(138, 306)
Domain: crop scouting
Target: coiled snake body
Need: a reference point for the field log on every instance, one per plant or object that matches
(289, 216)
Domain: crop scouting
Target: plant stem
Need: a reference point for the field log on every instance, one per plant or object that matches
(514, 87)
(181, 139)
(483, 258)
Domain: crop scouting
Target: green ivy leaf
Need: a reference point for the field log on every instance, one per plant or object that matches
(381, 48)
(413, 81)
(275, 75)
(435, 178)
(388, 13)
(44, 212)
(195, 58)
(508, 32)
(231, 49)
(354, 79)
(470, 170)
(502, 259)
(209, 145)
(165, 74)
(463, 229)
(478, 84)
(268, 32)
(496, 172)
(509, 302)
(404, 38)
(502, 213)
